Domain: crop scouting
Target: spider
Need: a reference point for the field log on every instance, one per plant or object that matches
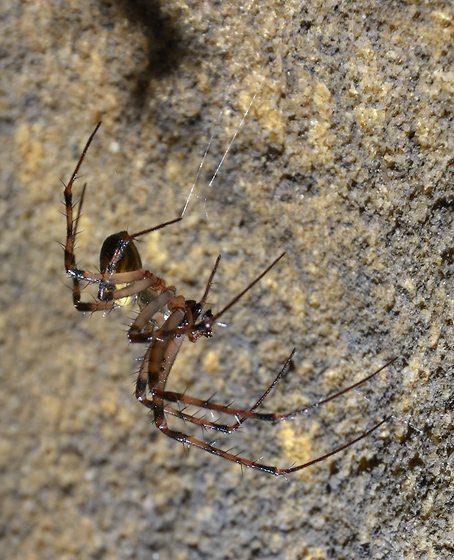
(123, 279)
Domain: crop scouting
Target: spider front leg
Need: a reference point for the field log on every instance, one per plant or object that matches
(71, 232)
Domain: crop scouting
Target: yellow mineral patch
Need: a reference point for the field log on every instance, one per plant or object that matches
(31, 151)
(298, 448)
(211, 363)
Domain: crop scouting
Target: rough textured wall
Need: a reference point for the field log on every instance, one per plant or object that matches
(345, 162)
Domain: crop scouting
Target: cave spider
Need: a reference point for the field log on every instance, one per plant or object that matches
(122, 279)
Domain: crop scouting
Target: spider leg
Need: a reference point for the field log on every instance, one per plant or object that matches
(166, 353)
(138, 281)
(199, 421)
(71, 225)
(71, 232)
(269, 417)
(243, 419)
(210, 281)
(135, 331)
(161, 353)
(227, 428)
(160, 356)
(161, 423)
(71, 229)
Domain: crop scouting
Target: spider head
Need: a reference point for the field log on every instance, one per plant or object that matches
(203, 327)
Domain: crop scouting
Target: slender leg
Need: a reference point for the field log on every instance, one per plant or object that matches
(71, 228)
(183, 438)
(70, 260)
(268, 417)
(227, 428)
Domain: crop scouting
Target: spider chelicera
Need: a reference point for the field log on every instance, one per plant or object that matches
(123, 279)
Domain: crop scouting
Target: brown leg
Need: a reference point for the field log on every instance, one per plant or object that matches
(185, 439)
(268, 417)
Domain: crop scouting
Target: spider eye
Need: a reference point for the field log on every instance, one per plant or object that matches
(130, 259)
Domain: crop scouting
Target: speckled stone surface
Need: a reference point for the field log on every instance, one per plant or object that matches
(345, 161)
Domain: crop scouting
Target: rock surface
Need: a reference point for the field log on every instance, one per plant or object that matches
(345, 161)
